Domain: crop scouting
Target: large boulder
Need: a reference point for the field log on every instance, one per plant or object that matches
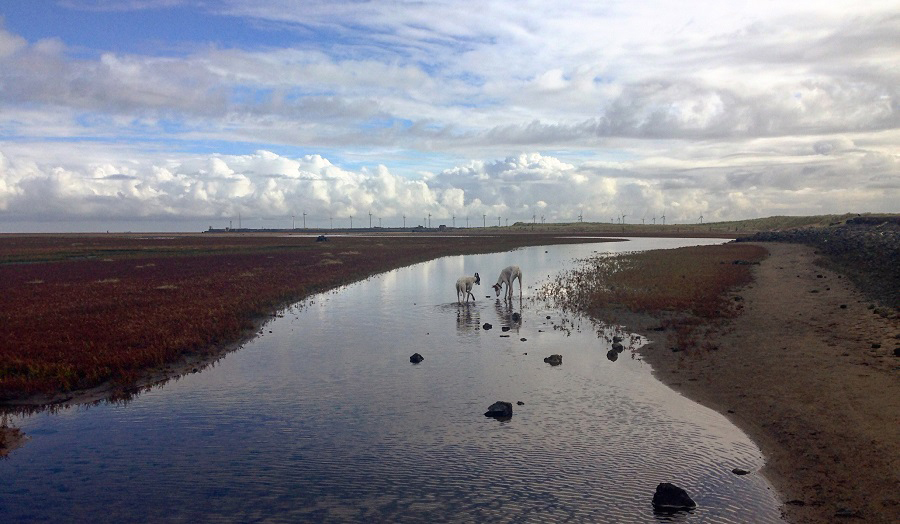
(554, 360)
(499, 409)
(672, 498)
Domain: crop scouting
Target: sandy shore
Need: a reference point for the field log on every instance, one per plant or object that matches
(809, 372)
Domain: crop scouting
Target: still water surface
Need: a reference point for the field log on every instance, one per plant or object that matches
(323, 418)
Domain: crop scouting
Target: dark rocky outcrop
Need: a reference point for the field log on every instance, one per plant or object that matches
(612, 355)
(865, 248)
(416, 358)
(671, 497)
(554, 360)
(499, 409)
(516, 317)
(504, 328)
(618, 348)
(486, 326)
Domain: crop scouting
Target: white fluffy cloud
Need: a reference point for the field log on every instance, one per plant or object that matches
(267, 186)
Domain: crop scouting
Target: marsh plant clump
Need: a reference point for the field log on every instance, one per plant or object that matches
(685, 287)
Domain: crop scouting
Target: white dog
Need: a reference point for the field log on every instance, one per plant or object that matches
(464, 287)
(507, 276)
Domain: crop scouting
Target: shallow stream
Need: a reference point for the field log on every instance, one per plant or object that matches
(322, 417)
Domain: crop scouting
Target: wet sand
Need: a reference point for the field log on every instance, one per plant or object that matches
(808, 372)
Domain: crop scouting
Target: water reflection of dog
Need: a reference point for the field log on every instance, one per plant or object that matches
(507, 314)
(468, 318)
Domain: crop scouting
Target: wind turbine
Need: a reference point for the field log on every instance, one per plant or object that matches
(701, 218)
(663, 219)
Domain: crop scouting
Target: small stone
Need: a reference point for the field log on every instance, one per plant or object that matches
(486, 326)
(505, 328)
(548, 317)
(554, 360)
(523, 340)
(671, 497)
(739, 471)
(499, 409)
(618, 348)
(520, 403)
(416, 358)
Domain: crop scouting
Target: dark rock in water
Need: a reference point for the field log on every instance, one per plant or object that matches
(554, 360)
(548, 317)
(739, 471)
(504, 336)
(505, 328)
(523, 339)
(520, 403)
(321, 238)
(486, 326)
(618, 348)
(612, 355)
(516, 317)
(499, 409)
(416, 358)
(671, 497)
(617, 338)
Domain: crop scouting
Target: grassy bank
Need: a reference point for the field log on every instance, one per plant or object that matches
(685, 288)
(83, 310)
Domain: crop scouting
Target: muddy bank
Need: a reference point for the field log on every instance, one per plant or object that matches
(809, 371)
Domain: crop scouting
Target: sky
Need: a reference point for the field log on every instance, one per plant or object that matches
(176, 115)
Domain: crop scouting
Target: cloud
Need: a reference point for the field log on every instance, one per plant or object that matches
(348, 107)
(268, 186)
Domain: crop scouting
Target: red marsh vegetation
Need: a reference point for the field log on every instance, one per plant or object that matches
(79, 310)
(684, 287)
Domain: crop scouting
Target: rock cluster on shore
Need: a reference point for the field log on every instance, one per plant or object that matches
(866, 248)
